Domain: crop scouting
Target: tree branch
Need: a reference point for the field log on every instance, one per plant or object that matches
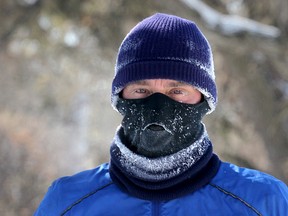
(231, 24)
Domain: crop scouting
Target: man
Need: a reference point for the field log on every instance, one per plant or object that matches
(162, 161)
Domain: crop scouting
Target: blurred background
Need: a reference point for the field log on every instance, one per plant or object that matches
(56, 67)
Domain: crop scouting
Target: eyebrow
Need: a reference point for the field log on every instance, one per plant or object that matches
(178, 83)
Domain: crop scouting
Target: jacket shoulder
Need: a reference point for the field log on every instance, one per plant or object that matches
(231, 171)
(84, 181)
(66, 191)
(259, 191)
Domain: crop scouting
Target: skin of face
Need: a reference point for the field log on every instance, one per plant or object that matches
(176, 90)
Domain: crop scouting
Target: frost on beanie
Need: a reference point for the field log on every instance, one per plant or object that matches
(166, 47)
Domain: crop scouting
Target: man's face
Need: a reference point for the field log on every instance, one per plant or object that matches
(178, 91)
(161, 116)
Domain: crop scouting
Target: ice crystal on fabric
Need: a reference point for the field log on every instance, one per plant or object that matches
(162, 168)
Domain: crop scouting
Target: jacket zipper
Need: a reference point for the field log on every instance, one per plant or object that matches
(155, 208)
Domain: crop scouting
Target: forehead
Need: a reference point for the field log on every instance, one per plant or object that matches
(164, 82)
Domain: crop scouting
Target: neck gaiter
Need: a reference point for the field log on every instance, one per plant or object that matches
(158, 125)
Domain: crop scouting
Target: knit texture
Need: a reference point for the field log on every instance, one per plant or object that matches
(166, 47)
(163, 178)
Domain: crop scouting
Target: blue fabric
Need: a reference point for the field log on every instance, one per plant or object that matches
(233, 191)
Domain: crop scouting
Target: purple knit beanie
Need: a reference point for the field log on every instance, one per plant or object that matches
(166, 47)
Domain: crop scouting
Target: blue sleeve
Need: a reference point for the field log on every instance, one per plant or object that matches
(281, 200)
(50, 204)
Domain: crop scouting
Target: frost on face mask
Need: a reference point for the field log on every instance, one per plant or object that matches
(158, 126)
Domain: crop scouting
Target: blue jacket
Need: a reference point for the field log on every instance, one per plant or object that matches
(233, 191)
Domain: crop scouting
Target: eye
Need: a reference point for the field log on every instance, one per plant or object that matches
(141, 91)
(176, 91)
(178, 94)
(135, 91)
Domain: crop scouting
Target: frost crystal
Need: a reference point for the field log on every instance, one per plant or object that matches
(162, 168)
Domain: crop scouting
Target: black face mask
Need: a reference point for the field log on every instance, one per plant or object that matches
(158, 125)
